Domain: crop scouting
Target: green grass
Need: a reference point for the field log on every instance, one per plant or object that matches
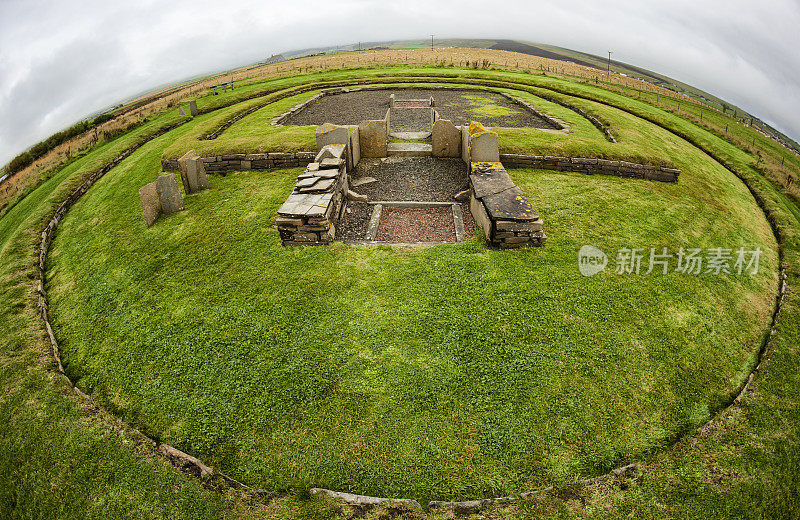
(450, 372)
(407, 319)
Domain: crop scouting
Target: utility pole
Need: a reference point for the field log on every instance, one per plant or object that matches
(608, 72)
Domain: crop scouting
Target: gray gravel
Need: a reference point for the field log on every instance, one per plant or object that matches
(425, 179)
(354, 107)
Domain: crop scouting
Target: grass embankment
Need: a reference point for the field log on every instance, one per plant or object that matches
(450, 372)
(59, 458)
(744, 467)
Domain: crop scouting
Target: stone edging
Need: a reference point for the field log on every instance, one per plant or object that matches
(468, 506)
(251, 161)
(196, 467)
(593, 166)
(182, 460)
(268, 160)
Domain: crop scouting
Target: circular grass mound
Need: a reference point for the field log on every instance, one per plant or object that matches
(454, 371)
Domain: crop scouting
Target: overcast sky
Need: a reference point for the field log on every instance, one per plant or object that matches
(60, 61)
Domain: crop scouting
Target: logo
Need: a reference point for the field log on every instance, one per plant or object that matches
(591, 260)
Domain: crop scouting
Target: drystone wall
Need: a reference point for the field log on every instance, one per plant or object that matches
(310, 214)
(253, 161)
(593, 166)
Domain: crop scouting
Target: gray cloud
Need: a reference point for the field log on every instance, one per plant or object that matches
(61, 61)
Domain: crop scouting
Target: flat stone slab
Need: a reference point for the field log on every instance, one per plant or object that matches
(321, 186)
(510, 204)
(362, 180)
(327, 174)
(305, 205)
(410, 149)
(410, 135)
(491, 182)
(307, 182)
(151, 205)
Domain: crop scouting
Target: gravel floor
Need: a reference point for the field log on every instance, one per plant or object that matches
(410, 120)
(354, 107)
(412, 178)
(469, 222)
(354, 221)
(417, 225)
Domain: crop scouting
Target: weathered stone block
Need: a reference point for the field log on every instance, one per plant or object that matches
(331, 151)
(193, 173)
(169, 194)
(373, 138)
(151, 204)
(333, 134)
(355, 145)
(465, 144)
(193, 107)
(481, 217)
(510, 204)
(446, 139)
(483, 145)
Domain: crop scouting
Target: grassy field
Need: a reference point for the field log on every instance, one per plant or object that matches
(451, 372)
(454, 371)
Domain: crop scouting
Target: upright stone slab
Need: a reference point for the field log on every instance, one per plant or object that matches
(355, 145)
(169, 194)
(465, 144)
(182, 112)
(446, 139)
(483, 144)
(151, 204)
(333, 134)
(373, 138)
(193, 107)
(193, 173)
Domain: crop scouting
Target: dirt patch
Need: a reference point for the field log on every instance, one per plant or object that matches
(469, 222)
(423, 179)
(354, 222)
(433, 224)
(460, 106)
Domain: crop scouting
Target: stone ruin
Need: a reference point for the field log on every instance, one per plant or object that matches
(321, 193)
(193, 173)
(160, 196)
(163, 196)
(310, 214)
